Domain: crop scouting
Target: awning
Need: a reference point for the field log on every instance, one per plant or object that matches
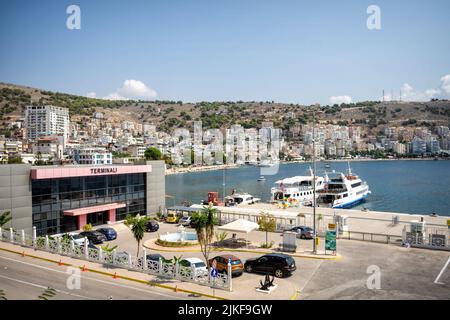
(87, 210)
(240, 225)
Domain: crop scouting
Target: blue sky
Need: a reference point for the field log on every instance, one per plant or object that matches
(287, 51)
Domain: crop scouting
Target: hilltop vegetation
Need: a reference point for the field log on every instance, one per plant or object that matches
(167, 115)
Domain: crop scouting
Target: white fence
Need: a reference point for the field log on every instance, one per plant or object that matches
(117, 259)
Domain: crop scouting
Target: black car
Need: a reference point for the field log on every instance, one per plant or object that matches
(94, 237)
(152, 226)
(278, 264)
(109, 233)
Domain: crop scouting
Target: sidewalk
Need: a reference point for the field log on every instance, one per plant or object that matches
(243, 289)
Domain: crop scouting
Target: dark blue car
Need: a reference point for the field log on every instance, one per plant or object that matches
(109, 233)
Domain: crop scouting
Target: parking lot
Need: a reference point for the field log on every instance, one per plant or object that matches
(405, 273)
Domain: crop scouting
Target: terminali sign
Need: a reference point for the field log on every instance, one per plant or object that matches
(103, 170)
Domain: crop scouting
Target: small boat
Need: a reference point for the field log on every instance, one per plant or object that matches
(262, 178)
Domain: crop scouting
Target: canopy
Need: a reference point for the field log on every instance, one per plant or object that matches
(240, 225)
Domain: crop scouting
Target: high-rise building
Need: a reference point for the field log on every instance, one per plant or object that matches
(47, 120)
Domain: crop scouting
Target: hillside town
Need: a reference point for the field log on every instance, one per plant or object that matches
(47, 134)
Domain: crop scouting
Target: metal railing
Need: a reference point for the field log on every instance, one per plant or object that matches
(168, 270)
(372, 237)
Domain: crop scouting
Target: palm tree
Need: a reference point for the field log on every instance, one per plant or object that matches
(204, 226)
(5, 217)
(138, 225)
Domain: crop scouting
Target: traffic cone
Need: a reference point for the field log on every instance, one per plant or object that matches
(115, 275)
(176, 289)
(23, 254)
(60, 263)
(84, 268)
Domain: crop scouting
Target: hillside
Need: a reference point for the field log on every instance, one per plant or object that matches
(168, 115)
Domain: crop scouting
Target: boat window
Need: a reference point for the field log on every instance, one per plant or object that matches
(345, 195)
(356, 184)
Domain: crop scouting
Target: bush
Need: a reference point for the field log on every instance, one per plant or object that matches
(267, 245)
(87, 227)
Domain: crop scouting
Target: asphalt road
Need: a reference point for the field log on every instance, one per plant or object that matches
(26, 278)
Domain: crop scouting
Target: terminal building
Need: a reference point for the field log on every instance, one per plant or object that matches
(57, 199)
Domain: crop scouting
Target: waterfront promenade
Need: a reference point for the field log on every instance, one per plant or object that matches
(374, 222)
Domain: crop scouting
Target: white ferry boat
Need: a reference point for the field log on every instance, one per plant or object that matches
(299, 188)
(343, 190)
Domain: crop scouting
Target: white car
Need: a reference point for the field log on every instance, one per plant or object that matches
(185, 221)
(77, 238)
(197, 266)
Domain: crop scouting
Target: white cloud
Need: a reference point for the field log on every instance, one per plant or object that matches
(132, 89)
(340, 99)
(114, 96)
(136, 89)
(446, 83)
(409, 94)
(91, 95)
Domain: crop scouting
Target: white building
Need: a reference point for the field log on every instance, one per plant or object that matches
(93, 156)
(49, 145)
(47, 120)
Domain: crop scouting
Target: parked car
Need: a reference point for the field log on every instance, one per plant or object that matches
(303, 232)
(172, 217)
(237, 267)
(94, 236)
(152, 226)
(152, 257)
(109, 233)
(77, 238)
(278, 264)
(185, 221)
(197, 265)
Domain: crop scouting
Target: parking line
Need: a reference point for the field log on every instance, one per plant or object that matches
(442, 271)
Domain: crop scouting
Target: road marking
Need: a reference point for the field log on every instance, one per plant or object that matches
(93, 279)
(304, 286)
(440, 273)
(44, 287)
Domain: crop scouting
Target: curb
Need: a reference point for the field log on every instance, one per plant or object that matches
(296, 294)
(115, 275)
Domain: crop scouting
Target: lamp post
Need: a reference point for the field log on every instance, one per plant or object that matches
(314, 182)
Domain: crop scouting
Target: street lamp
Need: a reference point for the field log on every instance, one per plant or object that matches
(314, 183)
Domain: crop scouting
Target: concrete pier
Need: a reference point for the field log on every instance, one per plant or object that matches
(375, 222)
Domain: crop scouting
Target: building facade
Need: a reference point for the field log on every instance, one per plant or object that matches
(47, 120)
(57, 199)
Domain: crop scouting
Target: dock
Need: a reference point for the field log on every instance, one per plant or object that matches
(359, 221)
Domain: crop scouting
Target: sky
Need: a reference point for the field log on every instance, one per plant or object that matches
(288, 51)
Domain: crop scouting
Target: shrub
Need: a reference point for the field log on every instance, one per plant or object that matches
(87, 227)
(267, 245)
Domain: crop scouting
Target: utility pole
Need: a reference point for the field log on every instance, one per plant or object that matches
(314, 181)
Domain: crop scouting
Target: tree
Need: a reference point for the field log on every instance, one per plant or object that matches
(204, 222)
(5, 217)
(152, 154)
(138, 225)
(266, 223)
(14, 160)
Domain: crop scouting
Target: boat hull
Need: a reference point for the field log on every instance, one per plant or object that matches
(351, 203)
